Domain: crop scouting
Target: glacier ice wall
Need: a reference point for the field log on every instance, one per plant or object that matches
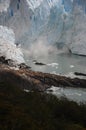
(8, 48)
(4, 5)
(56, 22)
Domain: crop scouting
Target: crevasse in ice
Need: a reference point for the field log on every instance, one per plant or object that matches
(58, 22)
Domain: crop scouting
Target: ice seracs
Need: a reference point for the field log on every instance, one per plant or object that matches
(8, 48)
(61, 22)
(4, 5)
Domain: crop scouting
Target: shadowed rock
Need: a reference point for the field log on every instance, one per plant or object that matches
(79, 74)
(37, 81)
(38, 63)
(24, 66)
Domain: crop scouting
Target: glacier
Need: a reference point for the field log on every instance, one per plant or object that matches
(59, 23)
(8, 48)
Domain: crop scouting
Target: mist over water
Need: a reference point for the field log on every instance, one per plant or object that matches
(41, 48)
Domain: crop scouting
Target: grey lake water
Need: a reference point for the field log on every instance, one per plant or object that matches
(75, 94)
(63, 64)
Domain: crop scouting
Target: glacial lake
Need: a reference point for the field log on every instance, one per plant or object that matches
(63, 64)
(75, 94)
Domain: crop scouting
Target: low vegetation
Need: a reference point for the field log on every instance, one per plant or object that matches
(38, 111)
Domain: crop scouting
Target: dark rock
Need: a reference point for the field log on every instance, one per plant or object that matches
(6, 61)
(38, 63)
(24, 66)
(11, 63)
(37, 81)
(79, 74)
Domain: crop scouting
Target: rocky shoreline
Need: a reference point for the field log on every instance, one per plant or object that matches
(22, 76)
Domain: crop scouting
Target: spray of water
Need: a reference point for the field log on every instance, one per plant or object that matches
(41, 48)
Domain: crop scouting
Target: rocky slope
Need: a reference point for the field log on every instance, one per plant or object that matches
(22, 76)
